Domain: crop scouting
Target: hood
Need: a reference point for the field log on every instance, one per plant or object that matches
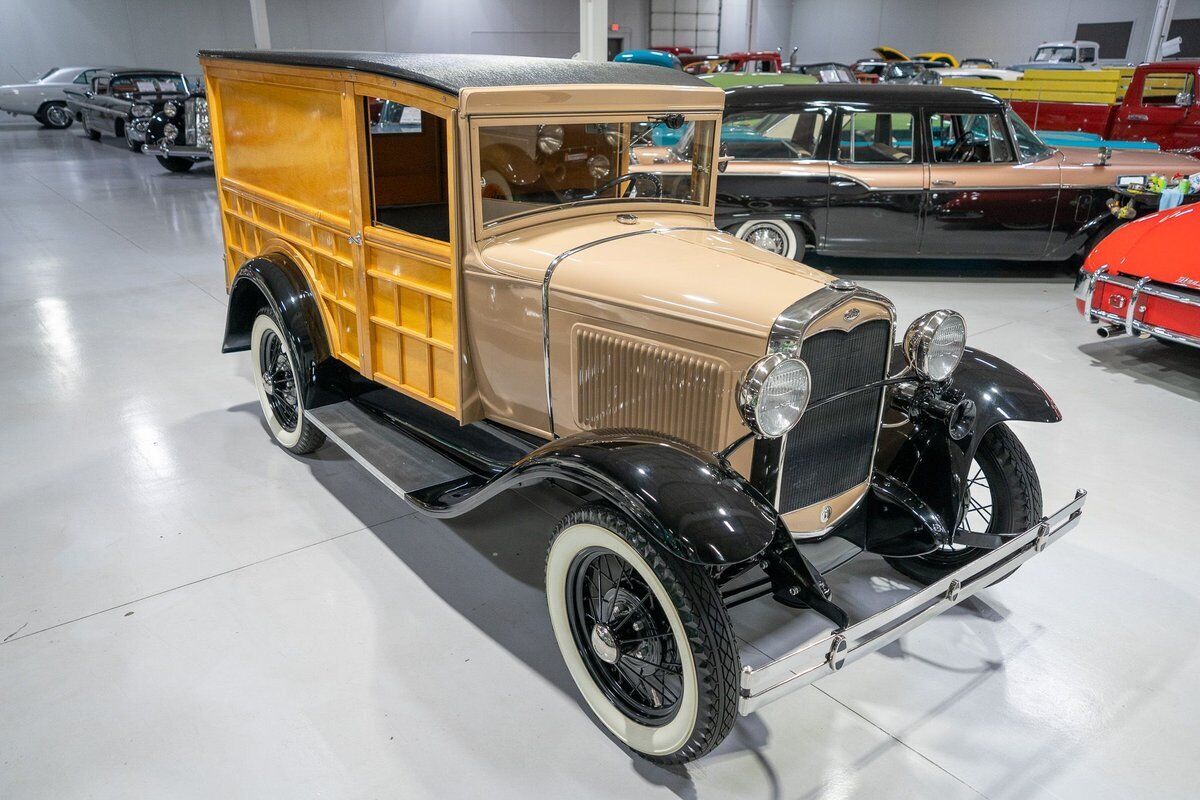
(890, 53)
(691, 284)
(1126, 160)
(672, 274)
(1161, 247)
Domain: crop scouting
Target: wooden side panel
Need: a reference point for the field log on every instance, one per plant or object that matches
(288, 140)
(293, 172)
(255, 226)
(413, 331)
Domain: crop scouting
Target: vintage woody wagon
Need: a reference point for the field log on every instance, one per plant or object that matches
(734, 424)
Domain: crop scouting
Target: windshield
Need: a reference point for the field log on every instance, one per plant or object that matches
(537, 167)
(149, 83)
(1029, 146)
(1055, 55)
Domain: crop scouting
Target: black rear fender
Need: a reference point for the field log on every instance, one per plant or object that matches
(274, 282)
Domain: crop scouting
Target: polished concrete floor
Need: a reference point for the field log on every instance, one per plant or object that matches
(188, 611)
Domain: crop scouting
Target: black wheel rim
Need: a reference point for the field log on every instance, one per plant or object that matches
(624, 637)
(279, 382)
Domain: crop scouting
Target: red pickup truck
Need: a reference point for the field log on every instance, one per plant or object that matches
(1159, 106)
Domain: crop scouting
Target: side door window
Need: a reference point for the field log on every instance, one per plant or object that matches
(1168, 89)
(969, 139)
(876, 138)
(1087, 55)
(406, 153)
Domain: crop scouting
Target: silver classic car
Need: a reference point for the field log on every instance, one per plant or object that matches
(43, 99)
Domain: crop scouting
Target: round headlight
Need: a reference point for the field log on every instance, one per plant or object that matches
(170, 109)
(598, 166)
(170, 132)
(550, 138)
(774, 394)
(142, 110)
(933, 344)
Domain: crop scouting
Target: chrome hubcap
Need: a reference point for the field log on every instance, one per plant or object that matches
(57, 115)
(604, 644)
(768, 238)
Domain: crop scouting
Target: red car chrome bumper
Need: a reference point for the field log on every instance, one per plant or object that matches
(1140, 306)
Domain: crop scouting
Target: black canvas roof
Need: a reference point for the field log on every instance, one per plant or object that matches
(453, 73)
(871, 95)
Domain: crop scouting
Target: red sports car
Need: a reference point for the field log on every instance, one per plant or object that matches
(1144, 278)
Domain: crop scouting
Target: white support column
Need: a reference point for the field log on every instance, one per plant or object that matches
(258, 20)
(1159, 29)
(593, 30)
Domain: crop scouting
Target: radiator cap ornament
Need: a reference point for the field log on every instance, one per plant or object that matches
(843, 285)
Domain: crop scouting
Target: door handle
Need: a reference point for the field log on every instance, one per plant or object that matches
(843, 183)
(1139, 118)
(943, 182)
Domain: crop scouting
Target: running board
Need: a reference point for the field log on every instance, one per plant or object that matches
(400, 462)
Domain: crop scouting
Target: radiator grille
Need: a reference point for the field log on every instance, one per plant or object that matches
(831, 449)
(627, 383)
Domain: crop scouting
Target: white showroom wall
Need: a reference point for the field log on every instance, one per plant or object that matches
(37, 34)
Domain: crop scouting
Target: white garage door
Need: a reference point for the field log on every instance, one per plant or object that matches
(685, 23)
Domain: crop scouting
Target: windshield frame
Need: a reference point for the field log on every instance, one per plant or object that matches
(487, 230)
(1013, 122)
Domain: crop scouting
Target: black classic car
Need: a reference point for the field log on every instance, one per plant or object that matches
(924, 171)
(179, 134)
(120, 103)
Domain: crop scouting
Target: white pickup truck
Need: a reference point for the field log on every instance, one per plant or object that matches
(1068, 55)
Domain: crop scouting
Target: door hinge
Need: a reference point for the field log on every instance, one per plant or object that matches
(355, 239)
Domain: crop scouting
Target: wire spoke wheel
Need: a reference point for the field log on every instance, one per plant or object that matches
(624, 636)
(1002, 496)
(767, 238)
(279, 380)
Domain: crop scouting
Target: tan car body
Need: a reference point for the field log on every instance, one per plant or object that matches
(648, 286)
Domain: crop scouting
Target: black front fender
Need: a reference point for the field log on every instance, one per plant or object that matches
(932, 465)
(687, 500)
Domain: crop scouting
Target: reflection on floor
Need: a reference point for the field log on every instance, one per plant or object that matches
(188, 611)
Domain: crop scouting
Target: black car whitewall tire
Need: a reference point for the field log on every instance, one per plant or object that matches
(695, 631)
(279, 390)
(773, 235)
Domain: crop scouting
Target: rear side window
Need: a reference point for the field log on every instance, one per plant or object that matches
(1168, 89)
(876, 138)
(773, 136)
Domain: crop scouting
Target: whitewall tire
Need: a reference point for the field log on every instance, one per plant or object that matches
(280, 390)
(773, 235)
(660, 674)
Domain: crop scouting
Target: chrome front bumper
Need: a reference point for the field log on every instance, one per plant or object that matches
(183, 151)
(825, 655)
(1085, 290)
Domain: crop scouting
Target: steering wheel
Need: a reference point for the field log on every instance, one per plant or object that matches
(963, 150)
(634, 178)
